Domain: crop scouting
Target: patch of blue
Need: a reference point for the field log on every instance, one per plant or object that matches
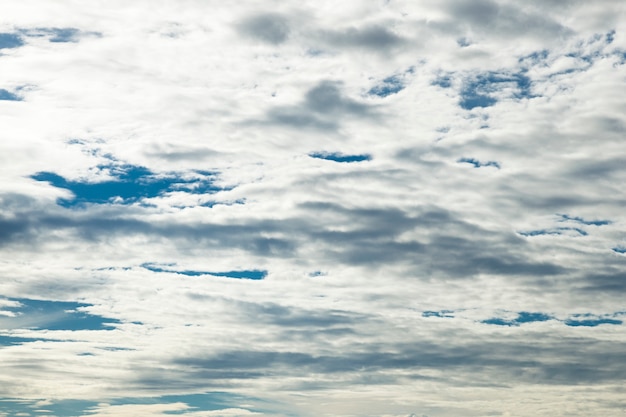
(610, 37)
(444, 81)
(442, 314)
(153, 268)
(211, 401)
(565, 217)
(471, 100)
(476, 92)
(619, 249)
(130, 184)
(522, 317)
(555, 231)
(223, 203)
(56, 35)
(252, 274)
(463, 42)
(499, 322)
(478, 164)
(199, 402)
(116, 349)
(57, 315)
(526, 317)
(7, 95)
(535, 57)
(63, 34)
(338, 157)
(16, 340)
(10, 40)
(588, 58)
(591, 322)
(390, 85)
(540, 232)
(60, 408)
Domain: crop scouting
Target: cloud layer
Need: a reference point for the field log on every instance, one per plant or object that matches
(384, 209)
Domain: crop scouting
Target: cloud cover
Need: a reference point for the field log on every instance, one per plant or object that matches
(393, 208)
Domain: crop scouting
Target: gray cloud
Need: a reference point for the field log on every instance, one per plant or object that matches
(502, 19)
(182, 153)
(570, 361)
(323, 108)
(444, 247)
(373, 37)
(271, 28)
(371, 240)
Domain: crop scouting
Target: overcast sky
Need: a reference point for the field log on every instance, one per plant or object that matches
(358, 208)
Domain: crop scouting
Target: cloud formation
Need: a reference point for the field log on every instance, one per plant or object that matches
(385, 209)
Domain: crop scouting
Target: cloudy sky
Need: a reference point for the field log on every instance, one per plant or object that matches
(359, 208)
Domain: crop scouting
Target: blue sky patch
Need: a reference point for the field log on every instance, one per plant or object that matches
(56, 35)
(60, 408)
(10, 40)
(339, 157)
(535, 58)
(392, 84)
(223, 203)
(471, 100)
(211, 401)
(500, 322)
(587, 320)
(63, 34)
(442, 314)
(576, 320)
(610, 37)
(130, 184)
(443, 81)
(522, 317)
(53, 315)
(588, 58)
(478, 164)
(619, 249)
(252, 274)
(388, 86)
(17, 340)
(555, 231)
(526, 317)
(200, 402)
(9, 96)
(477, 92)
(565, 217)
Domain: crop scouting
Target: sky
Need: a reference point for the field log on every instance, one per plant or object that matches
(298, 209)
